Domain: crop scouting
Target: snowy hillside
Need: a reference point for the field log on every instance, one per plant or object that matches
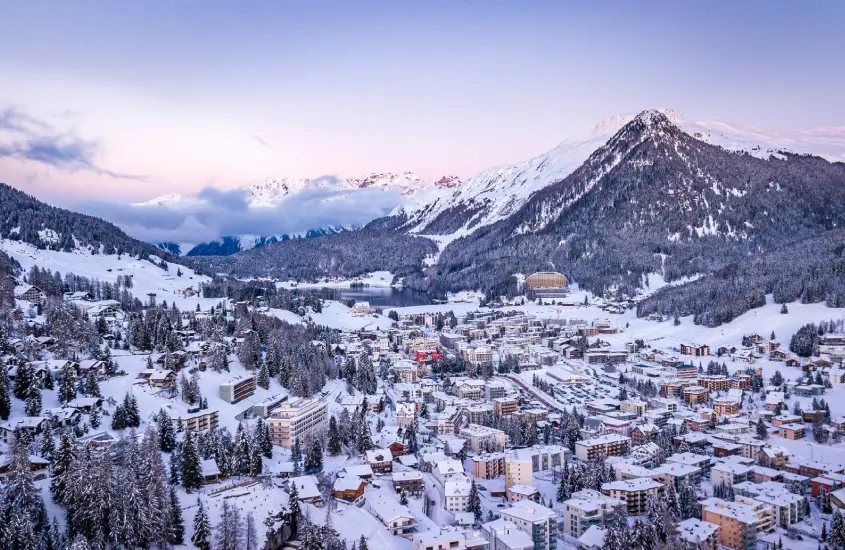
(496, 193)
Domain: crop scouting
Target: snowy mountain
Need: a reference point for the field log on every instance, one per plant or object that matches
(496, 193)
(276, 192)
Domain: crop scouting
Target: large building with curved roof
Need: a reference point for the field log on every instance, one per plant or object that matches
(546, 280)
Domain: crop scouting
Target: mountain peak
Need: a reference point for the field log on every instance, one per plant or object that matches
(654, 117)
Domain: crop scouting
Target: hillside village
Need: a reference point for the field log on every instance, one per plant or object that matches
(555, 420)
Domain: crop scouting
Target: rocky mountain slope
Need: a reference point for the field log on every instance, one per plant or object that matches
(653, 199)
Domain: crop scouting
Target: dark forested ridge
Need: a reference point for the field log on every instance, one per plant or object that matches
(349, 253)
(25, 218)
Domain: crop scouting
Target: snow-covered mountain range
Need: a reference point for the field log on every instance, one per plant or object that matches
(496, 193)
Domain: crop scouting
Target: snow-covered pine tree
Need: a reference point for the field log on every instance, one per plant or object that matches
(474, 506)
(263, 377)
(33, 400)
(191, 468)
(166, 431)
(5, 396)
(202, 528)
(335, 443)
(176, 525)
(65, 455)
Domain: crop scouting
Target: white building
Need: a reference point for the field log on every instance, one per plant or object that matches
(535, 520)
(483, 439)
(456, 494)
(296, 420)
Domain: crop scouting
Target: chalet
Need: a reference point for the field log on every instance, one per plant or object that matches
(99, 440)
(85, 404)
(31, 425)
(92, 365)
(162, 379)
(210, 472)
(396, 518)
(397, 449)
(362, 471)
(63, 416)
(644, 433)
(778, 355)
(380, 460)
(349, 488)
(39, 467)
(411, 483)
(29, 293)
(306, 489)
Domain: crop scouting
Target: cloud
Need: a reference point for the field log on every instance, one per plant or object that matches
(25, 137)
(261, 141)
(214, 213)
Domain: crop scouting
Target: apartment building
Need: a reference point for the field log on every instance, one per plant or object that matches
(518, 470)
(726, 405)
(488, 465)
(585, 509)
(536, 521)
(469, 389)
(729, 473)
(297, 419)
(633, 492)
(505, 535)
(676, 474)
(237, 389)
(456, 494)
(714, 382)
(504, 405)
(605, 445)
(693, 395)
(786, 506)
(484, 439)
(633, 407)
(410, 482)
(198, 421)
(738, 522)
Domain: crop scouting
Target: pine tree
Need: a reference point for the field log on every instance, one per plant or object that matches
(295, 510)
(23, 380)
(475, 502)
(251, 535)
(176, 525)
(5, 397)
(191, 468)
(836, 535)
(762, 431)
(335, 443)
(263, 378)
(242, 456)
(47, 447)
(783, 309)
(92, 386)
(403, 498)
(166, 431)
(94, 417)
(202, 528)
(67, 390)
(64, 457)
(362, 543)
(33, 401)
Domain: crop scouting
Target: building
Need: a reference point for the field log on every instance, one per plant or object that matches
(396, 518)
(605, 445)
(738, 522)
(505, 535)
(786, 507)
(411, 483)
(682, 372)
(349, 488)
(198, 421)
(297, 419)
(677, 473)
(832, 347)
(504, 405)
(696, 532)
(729, 473)
(488, 465)
(380, 460)
(633, 492)
(518, 470)
(546, 280)
(483, 439)
(633, 407)
(29, 293)
(714, 382)
(792, 431)
(536, 521)
(265, 408)
(456, 494)
(726, 405)
(693, 395)
(31, 425)
(237, 389)
(406, 414)
(585, 509)
(605, 357)
(444, 470)
(697, 350)
(480, 355)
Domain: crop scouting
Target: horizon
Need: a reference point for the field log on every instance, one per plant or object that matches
(128, 103)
